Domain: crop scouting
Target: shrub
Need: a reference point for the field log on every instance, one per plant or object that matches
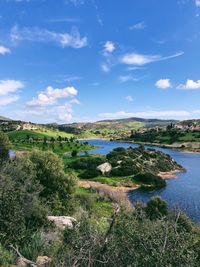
(6, 257)
(86, 201)
(156, 208)
(90, 173)
(50, 174)
(20, 207)
(4, 147)
(74, 153)
(36, 245)
(86, 163)
(150, 179)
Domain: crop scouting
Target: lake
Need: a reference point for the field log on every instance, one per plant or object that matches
(182, 193)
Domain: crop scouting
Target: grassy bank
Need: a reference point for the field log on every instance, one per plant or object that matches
(46, 139)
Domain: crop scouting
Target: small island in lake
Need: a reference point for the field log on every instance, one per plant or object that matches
(126, 167)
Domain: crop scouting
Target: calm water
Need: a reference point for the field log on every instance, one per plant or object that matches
(183, 192)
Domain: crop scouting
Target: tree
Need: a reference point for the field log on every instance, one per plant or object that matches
(52, 140)
(59, 138)
(45, 140)
(156, 208)
(21, 210)
(4, 147)
(74, 153)
(50, 174)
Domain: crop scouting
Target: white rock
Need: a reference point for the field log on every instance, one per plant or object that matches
(105, 168)
(43, 261)
(62, 222)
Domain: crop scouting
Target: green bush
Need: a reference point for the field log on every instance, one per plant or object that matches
(36, 245)
(4, 147)
(150, 179)
(156, 208)
(6, 257)
(20, 206)
(86, 163)
(131, 239)
(50, 174)
(90, 173)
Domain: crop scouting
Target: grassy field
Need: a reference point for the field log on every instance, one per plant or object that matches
(126, 181)
(23, 134)
(56, 148)
(25, 140)
(191, 136)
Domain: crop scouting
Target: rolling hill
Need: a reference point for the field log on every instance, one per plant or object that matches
(4, 119)
(119, 124)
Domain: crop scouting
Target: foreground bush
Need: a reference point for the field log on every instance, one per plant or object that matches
(4, 147)
(6, 257)
(30, 188)
(21, 209)
(57, 185)
(132, 240)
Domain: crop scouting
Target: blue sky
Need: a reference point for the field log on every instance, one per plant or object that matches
(84, 60)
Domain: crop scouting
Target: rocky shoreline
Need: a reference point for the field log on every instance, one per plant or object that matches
(173, 146)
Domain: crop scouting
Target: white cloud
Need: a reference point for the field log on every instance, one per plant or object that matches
(127, 78)
(4, 50)
(10, 86)
(7, 88)
(141, 59)
(135, 68)
(163, 114)
(72, 39)
(197, 2)
(19, 1)
(66, 19)
(129, 98)
(163, 83)
(66, 78)
(52, 105)
(109, 47)
(51, 95)
(8, 100)
(75, 2)
(139, 26)
(109, 59)
(190, 85)
(105, 67)
(64, 113)
(75, 101)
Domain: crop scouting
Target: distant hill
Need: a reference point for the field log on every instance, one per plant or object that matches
(190, 122)
(147, 123)
(118, 124)
(4, 119)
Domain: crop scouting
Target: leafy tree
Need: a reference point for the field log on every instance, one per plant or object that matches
(44, 140)
(59, 138)
(156, 208)
(20, 207)
(74, 153)
(52, 140)
(50, 174)
(4, 147)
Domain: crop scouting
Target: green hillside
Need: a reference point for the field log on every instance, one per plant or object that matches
(39, 134)
(111, 128)
(120, 124)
